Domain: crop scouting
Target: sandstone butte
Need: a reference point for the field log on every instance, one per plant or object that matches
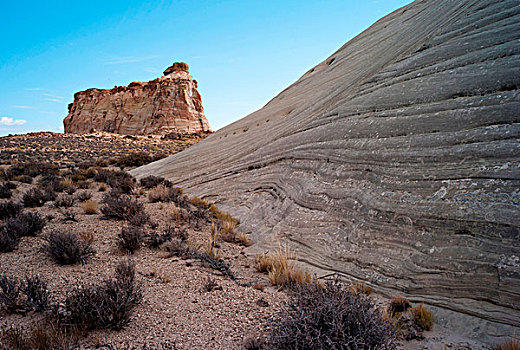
(394, 162)
(167, 104)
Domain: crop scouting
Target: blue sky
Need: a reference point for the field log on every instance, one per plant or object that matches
(241, 52)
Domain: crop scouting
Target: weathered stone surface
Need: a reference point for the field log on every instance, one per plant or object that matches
(166, 104)
(395, 161)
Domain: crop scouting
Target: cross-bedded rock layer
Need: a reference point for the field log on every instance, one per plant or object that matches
(395, 161)
(167, 104)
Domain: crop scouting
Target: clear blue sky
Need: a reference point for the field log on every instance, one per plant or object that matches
(242, 52)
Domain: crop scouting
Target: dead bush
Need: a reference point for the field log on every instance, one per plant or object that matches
(10, 289)
(26, 224)
(26, 179)
(130, 238)
(35, 290)
(107, 305)
(330, 317)
(68, 248)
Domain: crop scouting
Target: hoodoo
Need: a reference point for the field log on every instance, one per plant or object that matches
(395, 161)
(167, 104)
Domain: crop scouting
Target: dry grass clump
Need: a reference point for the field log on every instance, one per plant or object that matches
(360, 288)
(330, 317)
(422, 317)
(398, 305)
(67, 248)
(90, 207)
(511, 344)
(46, 335)
(281, 271)
(162, 193)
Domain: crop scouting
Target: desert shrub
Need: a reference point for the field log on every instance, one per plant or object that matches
(254, 343)
(133, 159)
(130, 238)
(123, 207)
(398, 305)
(152, 181)
(330, 317)
(89, 207)
(511, 344)
(84, 196)
(176, 247)
(52, 183)
(64, 201)
(47, 335)
(210, 285)
(5, 191)
(10, 289)
(67, 248)
(31, 169)
(26, 179)
(281, 270)
(8, 240)
(84, 185)
(422, 317)
(9, 209)
(35, 289)
(154, 240)
(107, 305)
(34, 198)
(25, 224)
(120, 180)
(69, 188)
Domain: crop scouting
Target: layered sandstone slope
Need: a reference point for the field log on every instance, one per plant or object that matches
(167, 104)
(395, 161)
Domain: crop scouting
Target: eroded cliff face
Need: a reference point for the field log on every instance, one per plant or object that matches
(167, 104)
(395, 162)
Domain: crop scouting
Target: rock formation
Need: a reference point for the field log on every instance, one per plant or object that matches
(167, 104)
(395, 162)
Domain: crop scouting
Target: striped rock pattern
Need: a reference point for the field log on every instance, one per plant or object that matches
(395, 162)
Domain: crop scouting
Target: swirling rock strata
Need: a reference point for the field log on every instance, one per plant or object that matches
(395, 161)
(167, 104)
